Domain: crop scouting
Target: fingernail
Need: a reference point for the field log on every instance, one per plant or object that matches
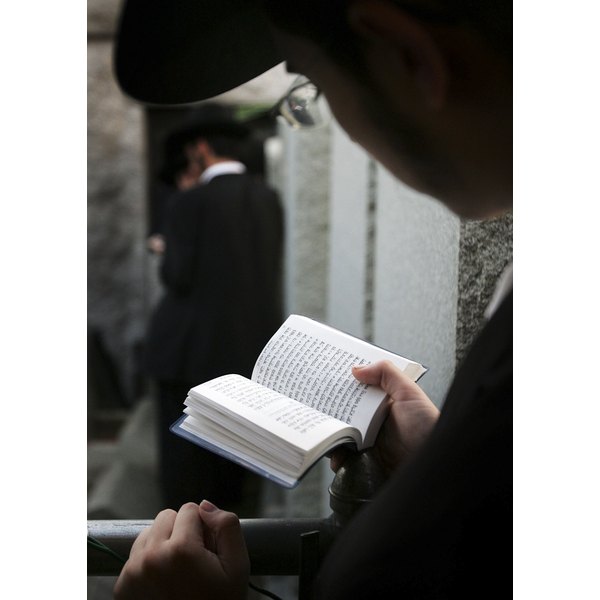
(208, 506)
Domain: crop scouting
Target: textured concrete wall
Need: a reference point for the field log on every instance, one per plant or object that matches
(102, 17)
(485, 250)
(405, 271)
(116, 203)
(349, 242)
(305, 195)
(416, 257)
(394, 264)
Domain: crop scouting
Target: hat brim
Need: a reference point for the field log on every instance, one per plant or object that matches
(177, 139)
(184, 51)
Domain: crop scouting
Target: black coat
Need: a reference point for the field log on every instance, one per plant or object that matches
(442, 525)
(222, 275)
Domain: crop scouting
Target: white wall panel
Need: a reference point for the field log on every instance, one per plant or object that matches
(416, 257)
(348, 235)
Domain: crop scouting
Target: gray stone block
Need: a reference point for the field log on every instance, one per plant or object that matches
(485, 250)
(102, 16)
(125, 492)
(128, 488)
(138, 440)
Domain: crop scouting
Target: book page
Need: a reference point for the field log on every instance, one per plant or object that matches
(311, 363)
(253, 457)
(248, 404)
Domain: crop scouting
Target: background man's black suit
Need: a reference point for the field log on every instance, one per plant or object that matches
(221, 271)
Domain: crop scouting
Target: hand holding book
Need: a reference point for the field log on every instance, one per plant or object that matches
(411, 418)
(301, 402)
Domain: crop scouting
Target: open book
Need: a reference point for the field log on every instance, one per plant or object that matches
(301, 402)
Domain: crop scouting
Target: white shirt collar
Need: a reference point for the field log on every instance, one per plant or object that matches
(503, 288)
(222, 168)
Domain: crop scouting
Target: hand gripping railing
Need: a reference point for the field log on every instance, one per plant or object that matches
(275, 546)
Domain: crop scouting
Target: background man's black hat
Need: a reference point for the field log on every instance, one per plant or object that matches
(183, 51)
(206, 119)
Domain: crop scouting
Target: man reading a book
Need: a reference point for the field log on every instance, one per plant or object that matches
(425, 86)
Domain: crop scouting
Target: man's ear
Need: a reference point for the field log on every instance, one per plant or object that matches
(204, 146)
(199, 147)
(382, 22)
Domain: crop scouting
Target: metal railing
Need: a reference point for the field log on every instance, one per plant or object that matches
(275, 546)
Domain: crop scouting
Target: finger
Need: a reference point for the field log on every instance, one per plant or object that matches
(384, 374)
(140, 541)
(337, 458)
(230, 545)
(188, 525)
(162, 527)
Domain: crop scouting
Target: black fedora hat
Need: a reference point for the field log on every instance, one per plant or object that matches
(206, 119)
(183, 51)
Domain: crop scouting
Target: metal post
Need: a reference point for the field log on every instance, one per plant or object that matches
(354, 485)
(310, 561)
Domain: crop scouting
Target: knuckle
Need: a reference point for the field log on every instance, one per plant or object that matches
(167, 512)
(181, 554)
(154, 560)
(388, 367)
(229, 520)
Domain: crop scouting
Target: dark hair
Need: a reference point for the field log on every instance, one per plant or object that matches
(324, 22)
(172, 167)
(225, 146)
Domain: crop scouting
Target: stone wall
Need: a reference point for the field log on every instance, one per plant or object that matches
(116, 204)
(404, 271)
